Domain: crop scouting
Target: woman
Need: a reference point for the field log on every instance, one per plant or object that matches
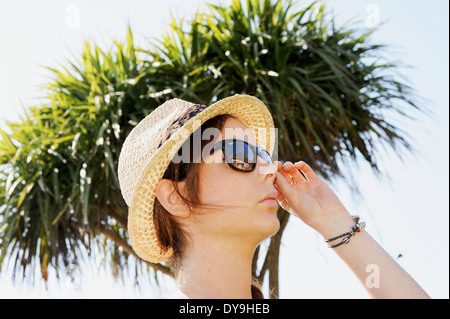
(204, 204)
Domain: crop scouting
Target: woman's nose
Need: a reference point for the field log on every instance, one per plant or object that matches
(266, 169)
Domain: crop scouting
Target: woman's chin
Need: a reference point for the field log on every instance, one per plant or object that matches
(271, 225)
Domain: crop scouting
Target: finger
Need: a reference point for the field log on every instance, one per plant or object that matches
(280, 198)
(292, 197)
(282, 201)
(286, 175)
(278, 164)
(306, 170)
(283, 186)
(296, 175)
(284, 204)
(287, 166)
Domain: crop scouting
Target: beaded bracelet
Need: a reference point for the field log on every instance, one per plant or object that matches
(355, 229)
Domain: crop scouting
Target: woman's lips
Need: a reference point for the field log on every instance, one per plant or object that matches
(270, 201)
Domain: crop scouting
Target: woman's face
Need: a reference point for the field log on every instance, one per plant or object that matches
(244, 214)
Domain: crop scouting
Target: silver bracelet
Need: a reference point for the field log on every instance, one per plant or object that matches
(359, 226)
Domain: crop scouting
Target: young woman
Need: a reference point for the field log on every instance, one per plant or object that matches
(215, 206)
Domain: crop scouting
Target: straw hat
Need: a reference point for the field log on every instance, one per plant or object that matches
(151, 145)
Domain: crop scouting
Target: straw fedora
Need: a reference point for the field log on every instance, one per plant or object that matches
(152, 144)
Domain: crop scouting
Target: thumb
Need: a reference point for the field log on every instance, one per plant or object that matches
(292, 197)
(285, 188)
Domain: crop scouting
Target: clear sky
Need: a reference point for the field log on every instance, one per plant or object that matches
(406, 212)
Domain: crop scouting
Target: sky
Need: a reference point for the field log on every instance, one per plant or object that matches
(406, 211)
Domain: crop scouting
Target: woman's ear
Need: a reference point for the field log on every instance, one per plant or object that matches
(168, 197)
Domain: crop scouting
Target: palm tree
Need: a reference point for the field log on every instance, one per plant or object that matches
(325, 87)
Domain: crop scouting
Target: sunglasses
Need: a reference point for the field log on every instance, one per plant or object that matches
(241, 155)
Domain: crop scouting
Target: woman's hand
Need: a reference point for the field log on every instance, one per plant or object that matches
(318, 206)
(310, 199)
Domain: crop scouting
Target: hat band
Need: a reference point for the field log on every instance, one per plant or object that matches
(183, 119)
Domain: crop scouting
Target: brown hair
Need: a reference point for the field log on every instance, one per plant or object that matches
(168, 230)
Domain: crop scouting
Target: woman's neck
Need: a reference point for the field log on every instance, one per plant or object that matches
(211, 270)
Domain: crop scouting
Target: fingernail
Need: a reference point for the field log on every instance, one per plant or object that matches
(287, 165)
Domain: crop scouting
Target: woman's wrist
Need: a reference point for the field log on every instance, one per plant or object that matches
(333, 226)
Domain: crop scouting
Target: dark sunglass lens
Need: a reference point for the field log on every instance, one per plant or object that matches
(240, 155)
(266, 156)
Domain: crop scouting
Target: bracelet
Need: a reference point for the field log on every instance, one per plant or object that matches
(355, 229)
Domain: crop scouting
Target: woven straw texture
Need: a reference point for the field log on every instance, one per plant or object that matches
(151, 145)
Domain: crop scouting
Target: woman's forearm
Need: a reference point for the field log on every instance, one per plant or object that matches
(380, 274)
(306, 196)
